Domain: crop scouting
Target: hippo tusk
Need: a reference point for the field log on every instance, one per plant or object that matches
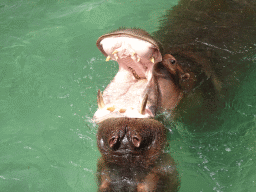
(143, 104)
(100, 101)
(152, 59)
(122, 110)
(111, 109)
(116, 56)
(108, 58)
(114, 52)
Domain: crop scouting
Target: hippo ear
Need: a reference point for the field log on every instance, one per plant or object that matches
(136, 140)
(185, 77)
(112, 141)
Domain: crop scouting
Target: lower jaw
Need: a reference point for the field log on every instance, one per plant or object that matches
(133, 102)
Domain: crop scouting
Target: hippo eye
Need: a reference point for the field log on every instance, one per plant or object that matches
(173, 61)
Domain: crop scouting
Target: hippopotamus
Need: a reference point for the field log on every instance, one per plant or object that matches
(185, 58)
(181, 63)
(130, 140)
(133, 157)
(145, 83)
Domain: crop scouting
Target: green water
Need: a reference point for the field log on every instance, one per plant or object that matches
(50, 71)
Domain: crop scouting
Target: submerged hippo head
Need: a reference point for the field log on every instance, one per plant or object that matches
(130, 141)
(143, 84)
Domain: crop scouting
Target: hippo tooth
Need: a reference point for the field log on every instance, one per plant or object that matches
(138, 60)
(133, 56)
(122, 110)
(143, 104)
(100, 101)
(111, 109)
(116, 56)
(108, 58)
(114, 52)
(152, 59)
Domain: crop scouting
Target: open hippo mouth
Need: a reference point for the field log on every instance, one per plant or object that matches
(130, 92)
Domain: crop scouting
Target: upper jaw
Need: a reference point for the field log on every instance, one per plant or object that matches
(127, 95)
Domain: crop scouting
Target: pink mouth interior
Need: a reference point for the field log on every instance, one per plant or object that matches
(124, 95)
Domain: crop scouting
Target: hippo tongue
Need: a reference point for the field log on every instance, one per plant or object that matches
(136, 53)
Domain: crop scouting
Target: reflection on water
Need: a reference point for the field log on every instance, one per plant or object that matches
(50, 72)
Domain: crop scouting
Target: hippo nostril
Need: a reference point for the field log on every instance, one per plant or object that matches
(113, 141)
(136, 141)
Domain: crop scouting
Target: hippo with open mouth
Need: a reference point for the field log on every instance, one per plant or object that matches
(145, 82)
(196, 37)
(131, 143)
(186, 56)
